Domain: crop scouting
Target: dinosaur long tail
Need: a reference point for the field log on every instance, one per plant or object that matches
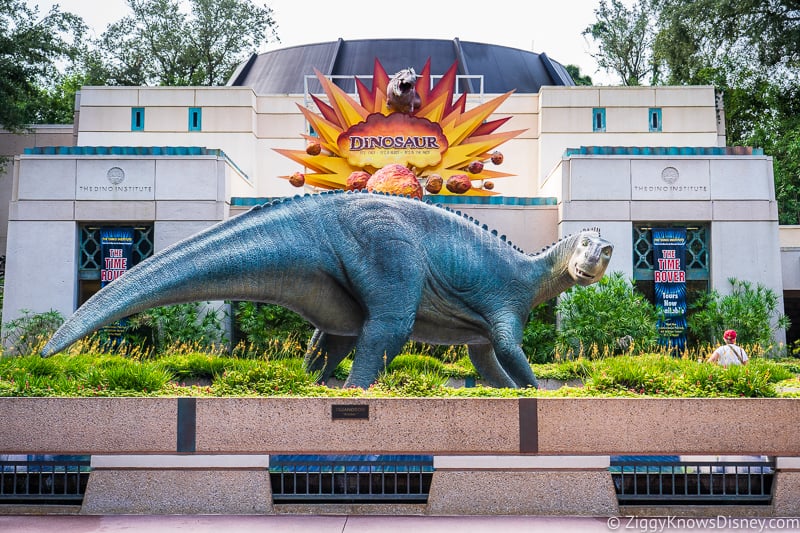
(169, 277)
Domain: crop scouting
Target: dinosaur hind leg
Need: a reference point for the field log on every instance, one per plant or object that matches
(325, 352)
(485, 362)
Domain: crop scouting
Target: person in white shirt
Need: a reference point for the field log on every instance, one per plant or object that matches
(729, 353)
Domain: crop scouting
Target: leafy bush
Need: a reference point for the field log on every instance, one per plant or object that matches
(747, 309)
(196, 365)
(411, 381)
(445, 353)
(564, 370)
(28, 333)
(262, 325)
(594, 320)
(125, 375)
(81, 375)
(539, 336)
(410, 375)
(663, 375)
(194, 323)
(416, 362)
(270, 378)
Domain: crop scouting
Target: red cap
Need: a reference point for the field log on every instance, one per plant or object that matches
(729, 334)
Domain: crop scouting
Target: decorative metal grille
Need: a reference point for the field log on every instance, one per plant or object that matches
(348, 479)
(89, 265)
(658, 481)
(53, 479)
(696, 252)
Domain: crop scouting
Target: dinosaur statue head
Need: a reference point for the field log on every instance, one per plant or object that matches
(590, 257)
(401, 93)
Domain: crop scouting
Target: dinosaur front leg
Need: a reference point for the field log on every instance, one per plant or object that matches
(485, 362)
(513, 360)
(380, 341)
(325, 352)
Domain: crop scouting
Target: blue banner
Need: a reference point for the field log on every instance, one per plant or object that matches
(116, 245)
(669, 255)
(116, 254)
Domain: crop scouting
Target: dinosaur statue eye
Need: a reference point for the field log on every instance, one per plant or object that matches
(585, 241)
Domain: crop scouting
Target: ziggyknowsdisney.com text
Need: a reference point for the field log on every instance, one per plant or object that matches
(667, 523)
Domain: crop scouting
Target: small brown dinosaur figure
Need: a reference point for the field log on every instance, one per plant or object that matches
(401, 93)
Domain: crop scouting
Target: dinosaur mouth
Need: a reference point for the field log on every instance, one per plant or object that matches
(582, 273)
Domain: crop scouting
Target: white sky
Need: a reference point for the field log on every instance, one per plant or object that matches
(535, 25)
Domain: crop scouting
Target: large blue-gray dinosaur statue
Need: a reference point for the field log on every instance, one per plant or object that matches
(370, 272)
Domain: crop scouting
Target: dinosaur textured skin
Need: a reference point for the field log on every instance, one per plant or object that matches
(370, 272)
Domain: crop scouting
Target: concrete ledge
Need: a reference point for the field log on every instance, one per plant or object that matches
(179, 461)
(787, 463)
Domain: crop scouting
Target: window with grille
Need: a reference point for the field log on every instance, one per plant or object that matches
(195, 119)
(91, 254)
(137, 119)
(599, 119)
(654, 122)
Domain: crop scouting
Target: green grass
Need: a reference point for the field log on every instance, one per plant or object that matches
(189, 372)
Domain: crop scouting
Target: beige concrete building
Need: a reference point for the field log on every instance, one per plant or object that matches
(171, 161)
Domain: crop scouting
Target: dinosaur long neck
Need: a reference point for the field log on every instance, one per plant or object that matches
(553, 270)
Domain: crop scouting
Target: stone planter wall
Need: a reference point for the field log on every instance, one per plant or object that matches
(491, 456)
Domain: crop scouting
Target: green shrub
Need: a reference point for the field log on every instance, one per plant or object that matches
(195, 324)
(461, 368)
(411, 381)
(650, 375)
(539, 336)
(261, 325)
(443, 352)
(421, 363)
(267, 378)
(747, 309)
(28, 333)
(564, 370)
(663, 375)
(594, 320)
(122, 375)
(196, 365)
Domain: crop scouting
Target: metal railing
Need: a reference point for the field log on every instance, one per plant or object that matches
(464, 84)
(682, 482)
(56, 480)
(349, 479)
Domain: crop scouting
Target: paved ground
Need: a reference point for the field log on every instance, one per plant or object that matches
(298, 524)
(382, 524)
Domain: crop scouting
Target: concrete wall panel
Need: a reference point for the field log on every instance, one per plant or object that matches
(107, 119)
(167, 96)
(600, 179)
(184, 178)
(551, 96)
(225, 96)
(628, 97)
(109, 96)
(40, 268)
(737, 178)
(51, 178)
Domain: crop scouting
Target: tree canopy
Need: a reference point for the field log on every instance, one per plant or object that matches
(31, 46)
(45, 59)
(159, 44)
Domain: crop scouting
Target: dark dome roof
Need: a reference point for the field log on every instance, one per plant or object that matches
(503, 68)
